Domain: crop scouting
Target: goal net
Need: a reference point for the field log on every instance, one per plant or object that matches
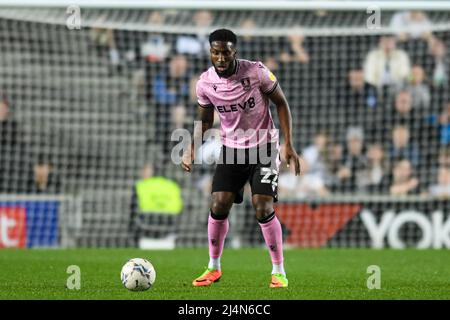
(89, 100)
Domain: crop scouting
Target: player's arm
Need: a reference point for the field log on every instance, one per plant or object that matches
(206, 116)
(284, 115)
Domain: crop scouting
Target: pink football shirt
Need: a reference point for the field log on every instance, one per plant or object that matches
(242, 103)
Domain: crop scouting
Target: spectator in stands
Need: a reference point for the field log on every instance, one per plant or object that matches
(308, 184)
(155, 205)
(293, 50)
(402, 113)
(359, 94)
(442, 188)
(440, 65)
(258, 48)
(149, 198)
(287, 183)
(354, 161)
(44, 178)
(411, 25)
(129, 50)
(172, 86)
(294, 187)
(420, 92)
(105, 43)
(402, 147)
(9, 149)
(315, 156)
(334, 160)
(377, 168)
(387, 67)
(360, 102)
(196, 45)
(444, 157)
(444, 126)
(248, 43)
(155, 48)
(443, 160)
(438, 69)
(403, 181)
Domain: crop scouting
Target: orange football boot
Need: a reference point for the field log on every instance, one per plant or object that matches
(207, 278)
(278, 281)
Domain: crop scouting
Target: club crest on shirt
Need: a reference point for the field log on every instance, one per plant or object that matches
(246, 84)
(214, 87)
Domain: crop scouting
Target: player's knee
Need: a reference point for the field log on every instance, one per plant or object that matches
(219, 211)
(263, 210)
(221, 206)
(263, 214)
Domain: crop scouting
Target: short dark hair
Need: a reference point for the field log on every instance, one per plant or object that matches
(43, 158)
(223, 35)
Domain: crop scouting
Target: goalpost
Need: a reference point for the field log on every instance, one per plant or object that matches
(91, 91)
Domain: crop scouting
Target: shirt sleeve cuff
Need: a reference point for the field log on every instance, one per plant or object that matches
(273, 88)
(205, 105)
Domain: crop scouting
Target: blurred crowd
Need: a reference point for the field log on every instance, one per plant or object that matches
(379, 125)
(20, 171)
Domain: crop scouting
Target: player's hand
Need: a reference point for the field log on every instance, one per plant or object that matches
(188, 159)
(291, 156)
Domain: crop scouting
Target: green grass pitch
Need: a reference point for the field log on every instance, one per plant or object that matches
(313, 274)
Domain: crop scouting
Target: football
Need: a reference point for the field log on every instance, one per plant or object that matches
(138, 274)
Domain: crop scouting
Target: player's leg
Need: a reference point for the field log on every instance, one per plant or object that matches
(218, 225)
(227, 188)
(263, 182)
(273, 236)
